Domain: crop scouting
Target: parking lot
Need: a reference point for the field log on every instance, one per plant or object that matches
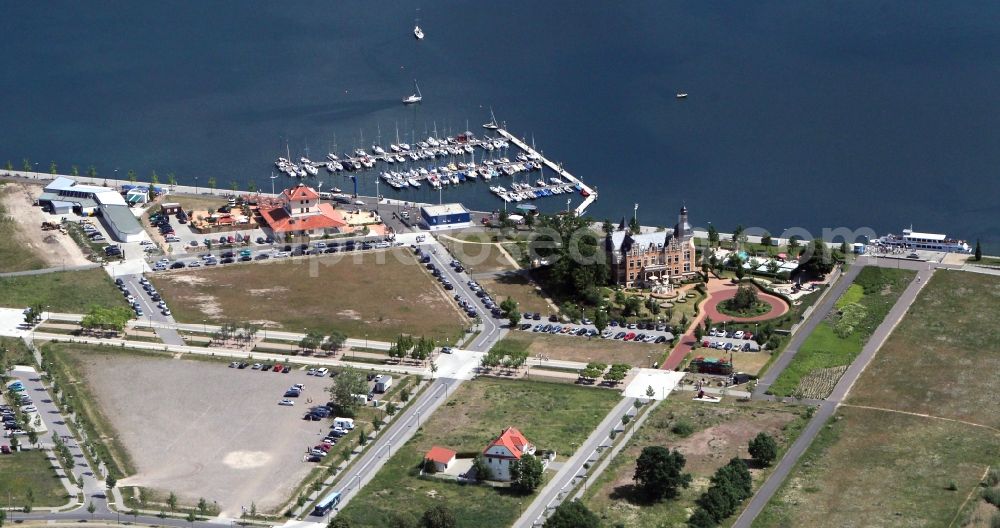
(200, 429)
(638, 333)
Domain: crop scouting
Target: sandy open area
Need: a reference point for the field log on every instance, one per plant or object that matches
(201, 429)
(55, 248)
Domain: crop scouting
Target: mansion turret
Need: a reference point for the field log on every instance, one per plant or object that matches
(647, 259)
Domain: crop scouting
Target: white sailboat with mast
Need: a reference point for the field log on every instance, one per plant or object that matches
(492, 125)
(414, 98)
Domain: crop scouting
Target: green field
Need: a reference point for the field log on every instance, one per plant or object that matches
(14, 351)
(876, 291)
(14, 256)
(61, 291)
(719, 433)
(872, 461)
(552, 416)
(29, 470)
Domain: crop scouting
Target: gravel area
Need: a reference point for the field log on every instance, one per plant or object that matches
(201, 429)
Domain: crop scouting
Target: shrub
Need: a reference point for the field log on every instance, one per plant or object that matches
(682, 428)
(992, 496)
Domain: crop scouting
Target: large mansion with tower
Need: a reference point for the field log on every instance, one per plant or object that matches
(650, 259)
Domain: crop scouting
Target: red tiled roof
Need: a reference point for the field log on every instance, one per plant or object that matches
(512, 439)
(279, 221)
(440, 455)
(300, 192)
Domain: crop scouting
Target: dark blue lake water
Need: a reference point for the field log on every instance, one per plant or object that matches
(812, 114)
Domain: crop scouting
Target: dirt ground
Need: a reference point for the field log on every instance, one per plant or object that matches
(529, 297)
(53, 247)
(749, 362)
(200, 429)
(376, 293)
(721, 432)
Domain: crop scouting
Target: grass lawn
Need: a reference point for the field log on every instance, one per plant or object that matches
(381, 294)
(30, 470)
(14, 350)
(61, 291)
(889, 469)
(893, 469)
(552, 416)
(584, 350)
(529, 297)
(720, 432)
(478, 254)
(14, 255)
(876, 289)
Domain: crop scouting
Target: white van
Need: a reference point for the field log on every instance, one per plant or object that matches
(344, 423)
(322, 372)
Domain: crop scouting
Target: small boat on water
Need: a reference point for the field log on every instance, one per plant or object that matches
(414, 98)
(417, 32)
(492, 125)
(681, 95)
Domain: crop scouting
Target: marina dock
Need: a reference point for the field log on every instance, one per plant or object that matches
(589, 193)
(443, 162)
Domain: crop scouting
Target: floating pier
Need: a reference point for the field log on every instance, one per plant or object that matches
(444, 162)
(590, 195)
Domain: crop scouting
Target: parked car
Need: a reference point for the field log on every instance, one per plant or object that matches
(286, 402)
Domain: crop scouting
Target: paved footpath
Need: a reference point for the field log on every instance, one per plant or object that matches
(840, 392)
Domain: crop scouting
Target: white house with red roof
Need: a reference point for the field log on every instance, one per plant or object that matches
(302, 214)
(511, 445)
(442, 458)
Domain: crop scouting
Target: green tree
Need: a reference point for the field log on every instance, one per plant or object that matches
(172, 501)
(9, 166)
(311, 341)
(650, 392)
(251, 187)
(135, 515)
(171, 179)
(572, 514)
(110, 481)
(334, 341)
(233, 185)
(74, 170)
(211, 183)
(202, 506)
(659, 473)
(338, 522)
(740, 271)
(438, 516)
(3, 514)
(701, 519)
(526, 473)
(131, 176)
(607, 227)
(979, 252)
(513, 317)
(713, 236)
(819, 261)
(763, 449)
(52, 168)
(633, 225)
(26, 165)
(154, 178)
(190, 517)
(483, 471)
(578, 264)
(91, 509)
(766, 240)
(92, 172)
(745, 298)
(601, 319)
(350, 382)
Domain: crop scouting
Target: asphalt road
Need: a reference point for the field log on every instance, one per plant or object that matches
(828, 407)
(493, 329)
(151, 312)
(398, 433)
(93, 486)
